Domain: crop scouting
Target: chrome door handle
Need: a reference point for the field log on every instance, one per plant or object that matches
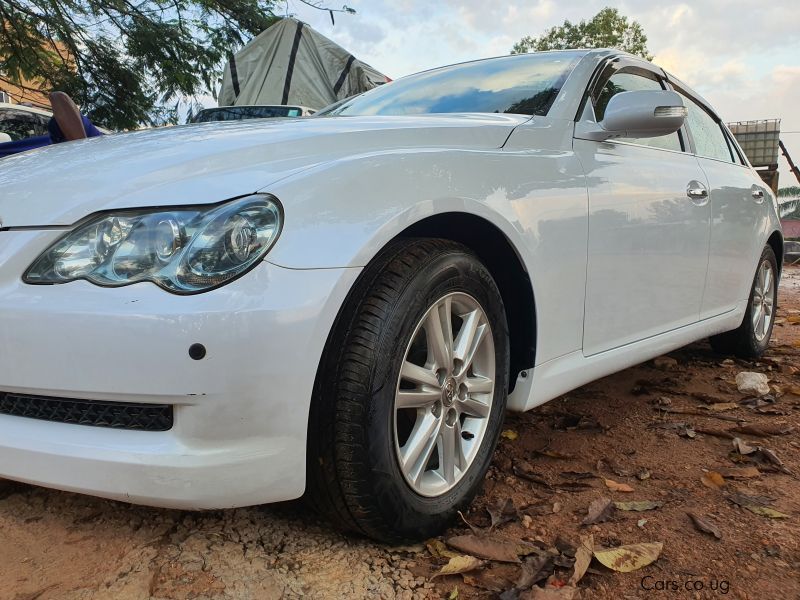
(696, 191)
(758, 194)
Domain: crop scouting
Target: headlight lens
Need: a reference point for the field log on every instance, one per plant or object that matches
(184, 250)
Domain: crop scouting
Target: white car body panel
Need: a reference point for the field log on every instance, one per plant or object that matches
(571, 210)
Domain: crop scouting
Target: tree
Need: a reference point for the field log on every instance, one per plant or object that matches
(123, 60)
(607, 29)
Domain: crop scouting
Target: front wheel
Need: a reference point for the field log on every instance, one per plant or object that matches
(751, 338)
(412, 393)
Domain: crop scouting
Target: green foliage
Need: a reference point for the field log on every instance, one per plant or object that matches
(792, 191)
(607, 29)
(126, 63)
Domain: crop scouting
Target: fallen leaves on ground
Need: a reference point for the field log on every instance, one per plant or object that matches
(713, 480)
(704, 525)
(502, 512)
(740, 472)
(583, 556)
(488, 546)
(758, 505)
(629, 558)
(438, 549)
(600, 510)
(615, 486)
(509, 434)
(638, 505)
(459, 564)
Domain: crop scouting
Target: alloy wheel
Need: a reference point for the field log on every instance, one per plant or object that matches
(763, 300)
(444, 394)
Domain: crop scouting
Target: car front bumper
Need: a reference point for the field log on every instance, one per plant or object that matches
(240, 413)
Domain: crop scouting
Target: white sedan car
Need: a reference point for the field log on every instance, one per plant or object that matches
(345, 305)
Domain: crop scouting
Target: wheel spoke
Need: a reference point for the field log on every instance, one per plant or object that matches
(447, 454)
(767, 289)
(759, 328)
(475, 407)
(439, 333)
(479, 385)
(416, 398)
(418, 375)
(417, 451)
(463, 345)
(756, 314)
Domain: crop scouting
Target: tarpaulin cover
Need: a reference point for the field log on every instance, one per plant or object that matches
(291, 63)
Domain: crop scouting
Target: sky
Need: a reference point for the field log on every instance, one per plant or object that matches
(743, 57)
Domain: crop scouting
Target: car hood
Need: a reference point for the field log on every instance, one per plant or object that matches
(211, 162)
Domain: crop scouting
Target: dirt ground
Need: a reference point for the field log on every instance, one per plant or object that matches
(663, 429)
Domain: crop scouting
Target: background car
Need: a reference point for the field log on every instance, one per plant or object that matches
(240, 313)
(236, 113)
(20, 122)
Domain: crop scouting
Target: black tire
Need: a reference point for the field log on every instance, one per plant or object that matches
(742, 341)
(353, 477)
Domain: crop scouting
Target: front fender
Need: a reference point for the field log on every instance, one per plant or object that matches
(340, 214)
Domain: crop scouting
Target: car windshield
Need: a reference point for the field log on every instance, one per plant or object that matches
(525, 84)
(235, 113)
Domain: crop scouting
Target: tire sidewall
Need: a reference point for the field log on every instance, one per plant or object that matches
(411, 513)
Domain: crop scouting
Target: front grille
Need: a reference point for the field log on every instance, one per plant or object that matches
(117, 415)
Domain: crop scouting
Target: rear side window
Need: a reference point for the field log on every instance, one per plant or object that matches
(629, 82)
(709, 139)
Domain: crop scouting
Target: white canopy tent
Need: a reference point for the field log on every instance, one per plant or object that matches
(291, 63)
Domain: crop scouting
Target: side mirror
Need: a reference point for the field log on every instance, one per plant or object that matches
(640, 114)
(4, 137)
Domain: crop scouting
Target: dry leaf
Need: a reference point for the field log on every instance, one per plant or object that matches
(489, 547)
(721, 406)
(439, 550)
(764, 430)
(583, 556)
(459, 564)
(454, 594)
(617, 487)
(758, 505)
(503, 512)
(509, 434)
(638, 505)
(599, 510)
(740, 472)
(765, 511)
(742, 447)
(629, 558)
(713, 480)
(704, 525)
(534, 570)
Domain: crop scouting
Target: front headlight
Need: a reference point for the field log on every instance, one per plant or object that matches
(184, 250)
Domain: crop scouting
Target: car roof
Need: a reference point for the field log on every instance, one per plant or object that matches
(23, 107)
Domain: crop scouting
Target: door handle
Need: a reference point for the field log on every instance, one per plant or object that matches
(758, 194)
(697, 192)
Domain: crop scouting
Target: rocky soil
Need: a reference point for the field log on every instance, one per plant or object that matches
(677, 431)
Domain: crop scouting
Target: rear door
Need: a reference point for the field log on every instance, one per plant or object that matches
(649, 220)
(739, 215)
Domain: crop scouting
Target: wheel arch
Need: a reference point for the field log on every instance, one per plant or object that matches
(501, 257)
(775, 241)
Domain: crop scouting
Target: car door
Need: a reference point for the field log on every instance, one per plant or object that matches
(738, 211)
(649, 220)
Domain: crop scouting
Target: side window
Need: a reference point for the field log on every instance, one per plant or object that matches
(709, 139)
(628, 82)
